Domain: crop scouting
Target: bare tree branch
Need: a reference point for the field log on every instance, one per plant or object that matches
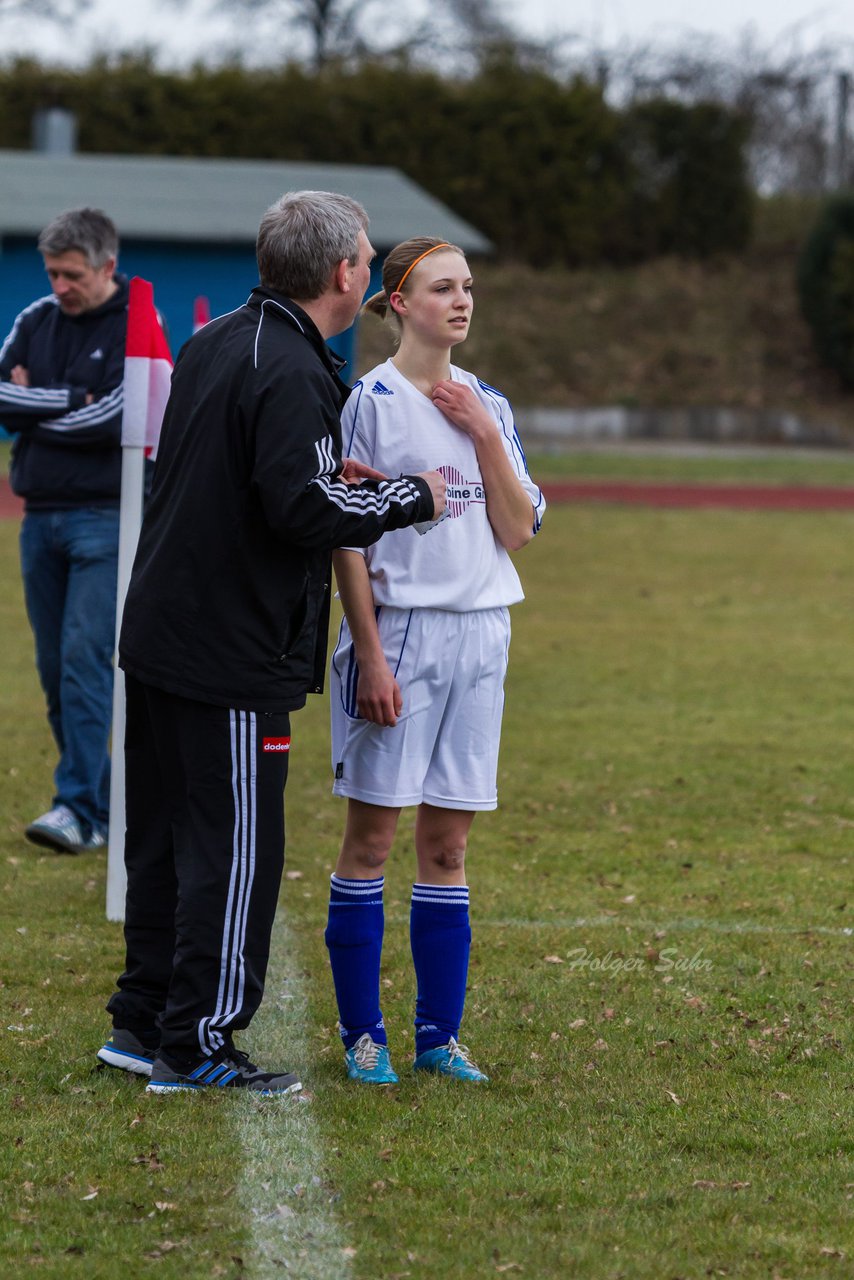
(456, 35)
(788, 92)
(334, 28)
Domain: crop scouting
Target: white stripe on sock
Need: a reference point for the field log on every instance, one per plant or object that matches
(356, 888)
(441, 895)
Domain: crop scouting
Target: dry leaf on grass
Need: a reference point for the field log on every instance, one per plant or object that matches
(165, 1246)
(151, 1161)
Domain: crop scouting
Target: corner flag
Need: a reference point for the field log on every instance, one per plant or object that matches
(148, 371)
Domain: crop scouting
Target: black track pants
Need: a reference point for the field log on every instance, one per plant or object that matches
(204, 852)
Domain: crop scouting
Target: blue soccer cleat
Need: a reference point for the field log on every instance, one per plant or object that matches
(450, 1059)
(369, 1062)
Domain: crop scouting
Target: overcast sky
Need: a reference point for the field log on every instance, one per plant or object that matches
(181, 32)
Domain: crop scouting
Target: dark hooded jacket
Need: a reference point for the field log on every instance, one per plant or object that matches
(229, 597)
(66, 453)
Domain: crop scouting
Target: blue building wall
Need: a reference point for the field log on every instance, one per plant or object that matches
(224, 274)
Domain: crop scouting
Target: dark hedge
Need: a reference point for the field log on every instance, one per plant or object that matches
(548, 170)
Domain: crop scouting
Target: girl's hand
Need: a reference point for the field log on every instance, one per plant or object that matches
(459, 403)
(378, 696)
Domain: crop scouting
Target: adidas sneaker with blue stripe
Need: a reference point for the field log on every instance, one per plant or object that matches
(227, 1069)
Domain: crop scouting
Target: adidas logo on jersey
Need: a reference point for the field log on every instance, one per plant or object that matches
(97, 354)
(379, 390)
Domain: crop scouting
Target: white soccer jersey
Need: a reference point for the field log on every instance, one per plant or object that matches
(458, 564)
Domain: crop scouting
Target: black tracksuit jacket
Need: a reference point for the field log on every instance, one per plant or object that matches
(66, 454)
(229, 598)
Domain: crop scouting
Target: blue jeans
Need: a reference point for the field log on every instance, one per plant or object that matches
(69, 562)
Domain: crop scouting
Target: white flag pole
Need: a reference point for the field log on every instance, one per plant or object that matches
(130, 520)
(148, 366)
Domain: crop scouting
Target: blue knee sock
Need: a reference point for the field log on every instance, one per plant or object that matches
(354, 937)
(440, 937)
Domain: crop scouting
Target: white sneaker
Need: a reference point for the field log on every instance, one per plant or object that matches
(96, 841)
(58, 829)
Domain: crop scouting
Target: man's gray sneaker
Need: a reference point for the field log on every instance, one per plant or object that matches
(58, 829)
(125, 1051)
(97, 840)
(227, 1069)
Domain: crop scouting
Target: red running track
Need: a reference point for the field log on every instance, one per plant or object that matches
(745, 497)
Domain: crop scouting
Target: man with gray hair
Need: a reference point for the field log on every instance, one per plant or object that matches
(61, 371)
(224, 634)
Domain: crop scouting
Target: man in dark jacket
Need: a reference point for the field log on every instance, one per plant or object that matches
(61, 371)
(224, 634)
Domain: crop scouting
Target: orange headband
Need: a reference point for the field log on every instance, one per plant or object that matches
(425, 254)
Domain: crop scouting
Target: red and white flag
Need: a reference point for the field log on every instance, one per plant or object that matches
(148, 371)
(201, 313)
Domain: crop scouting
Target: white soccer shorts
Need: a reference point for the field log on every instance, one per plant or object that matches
(443, 750)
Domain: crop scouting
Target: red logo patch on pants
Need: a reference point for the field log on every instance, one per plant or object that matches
(276, 744)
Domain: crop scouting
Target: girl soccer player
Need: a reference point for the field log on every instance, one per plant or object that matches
(418, 671)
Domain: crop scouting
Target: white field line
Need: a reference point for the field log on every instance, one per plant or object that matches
(293, 1225)
(687, 924)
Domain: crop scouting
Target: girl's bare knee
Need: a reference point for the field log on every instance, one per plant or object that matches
(447, 857)
(370, 857)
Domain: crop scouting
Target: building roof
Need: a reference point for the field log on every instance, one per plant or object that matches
(173, 198)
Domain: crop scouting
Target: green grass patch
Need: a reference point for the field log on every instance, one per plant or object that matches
(661, 982)
(713, 466)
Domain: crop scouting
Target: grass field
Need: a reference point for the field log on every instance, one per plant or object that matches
(661, 986)
(703, 466)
